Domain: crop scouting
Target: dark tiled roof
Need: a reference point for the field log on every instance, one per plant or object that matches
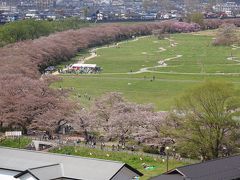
(218, 169)
(224, 168)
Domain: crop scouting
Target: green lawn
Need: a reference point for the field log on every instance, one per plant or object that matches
(198, 60)
(15, 142)
(131, 159)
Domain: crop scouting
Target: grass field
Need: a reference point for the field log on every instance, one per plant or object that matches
(16, 142)
(131, 159)
(176, 64)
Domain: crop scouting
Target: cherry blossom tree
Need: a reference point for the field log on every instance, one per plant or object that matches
(25, 102)
(83, 123)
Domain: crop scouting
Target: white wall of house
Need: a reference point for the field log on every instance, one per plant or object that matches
(7, 174)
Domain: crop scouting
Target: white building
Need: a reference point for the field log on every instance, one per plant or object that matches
(224, 7)
(18, 164)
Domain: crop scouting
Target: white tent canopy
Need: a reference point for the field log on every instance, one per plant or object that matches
(83, 66)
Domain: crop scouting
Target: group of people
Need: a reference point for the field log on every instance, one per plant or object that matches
(85, 95)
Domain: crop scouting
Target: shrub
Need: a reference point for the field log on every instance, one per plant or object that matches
(197, 18)
(226, 36)
(150, 149)
(216, 23)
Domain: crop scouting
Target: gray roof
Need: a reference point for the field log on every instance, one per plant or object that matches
(49, 164)
(46, 172)
(219, 169)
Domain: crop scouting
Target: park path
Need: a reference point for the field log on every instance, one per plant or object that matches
(161, 49)
(132, 78)
(161, 63)
(176, 73)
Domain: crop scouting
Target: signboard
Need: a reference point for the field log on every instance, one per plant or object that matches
(13, 133)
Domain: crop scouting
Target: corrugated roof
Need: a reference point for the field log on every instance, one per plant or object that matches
(73, 166)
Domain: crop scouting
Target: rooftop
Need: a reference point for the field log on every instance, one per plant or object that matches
(227, 168)
(57, 165)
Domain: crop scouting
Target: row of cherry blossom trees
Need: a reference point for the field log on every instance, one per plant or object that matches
(26, 99)
(216, 23)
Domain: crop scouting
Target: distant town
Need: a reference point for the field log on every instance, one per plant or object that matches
(113, 10)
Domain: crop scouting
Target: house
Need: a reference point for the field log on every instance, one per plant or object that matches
(224, 168)
(18, 164)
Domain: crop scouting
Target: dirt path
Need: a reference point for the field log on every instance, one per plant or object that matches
(175, 73)
(161, 63)
(146, 79)
(235, 59)
(161, 49)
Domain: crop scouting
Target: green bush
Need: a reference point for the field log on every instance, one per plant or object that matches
(150, 149)
(195, 18)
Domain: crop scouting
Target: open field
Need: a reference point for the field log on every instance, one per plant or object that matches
(131, 159)
(148, 70)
